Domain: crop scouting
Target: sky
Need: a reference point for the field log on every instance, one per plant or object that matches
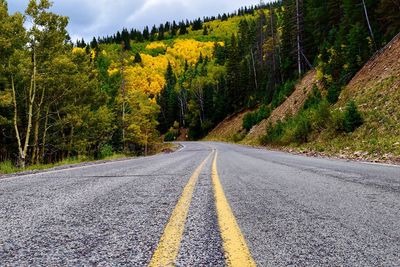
(89, 18)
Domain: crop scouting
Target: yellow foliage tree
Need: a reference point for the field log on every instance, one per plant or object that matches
(141, 120)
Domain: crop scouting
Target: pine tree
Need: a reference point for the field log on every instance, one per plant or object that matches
(388, 12)
(93, 44)
(167, 100)
(153, 33)
(352, 117)
(288, 47)
(138, 58)
(146, 33)
(161, 32)
(205, 30)
(233, 75)
(182, 28)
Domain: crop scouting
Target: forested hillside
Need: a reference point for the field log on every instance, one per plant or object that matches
(127, 92)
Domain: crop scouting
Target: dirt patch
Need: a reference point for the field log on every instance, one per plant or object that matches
(376, 90)
(226, 130)
(183, 134)
(291, 106)
(384, 65)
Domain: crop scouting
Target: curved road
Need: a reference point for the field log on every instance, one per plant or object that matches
(208, 204)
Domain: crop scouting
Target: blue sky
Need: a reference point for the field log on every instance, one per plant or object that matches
(90, 18)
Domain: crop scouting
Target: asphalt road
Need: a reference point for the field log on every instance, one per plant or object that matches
(290, 210)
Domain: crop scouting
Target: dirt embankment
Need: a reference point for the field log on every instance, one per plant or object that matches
(228, 128)
(291, 106)
(375, 89)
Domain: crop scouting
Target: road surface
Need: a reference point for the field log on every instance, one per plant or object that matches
(208, 204)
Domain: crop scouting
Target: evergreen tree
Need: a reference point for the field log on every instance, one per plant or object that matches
(182, 28)
(161, 32)
(388, 12)
(233, 76)
(167, 100)
(288, 46)
(352, 118)
(146, 33)
(125, 40)
(153, 33)
(174, 28)
(197, 25)
(205, 30)
(138, 58)
(93, 44)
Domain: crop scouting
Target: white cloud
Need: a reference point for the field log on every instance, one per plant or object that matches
(90, 18)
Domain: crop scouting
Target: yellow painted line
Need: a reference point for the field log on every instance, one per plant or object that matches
(168, 246)
(237, 254)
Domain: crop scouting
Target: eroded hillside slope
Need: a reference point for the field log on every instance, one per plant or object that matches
(376, 90)
(289, 107)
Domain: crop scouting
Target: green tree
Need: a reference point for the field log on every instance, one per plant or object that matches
(142, 120)
(352, 117)
(168, 102)
(12, 41)
(47, 39)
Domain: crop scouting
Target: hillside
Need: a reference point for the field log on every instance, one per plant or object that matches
(376, 90)
(289, 107)
(229, 129)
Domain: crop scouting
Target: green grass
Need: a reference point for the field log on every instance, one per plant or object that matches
(7, 167)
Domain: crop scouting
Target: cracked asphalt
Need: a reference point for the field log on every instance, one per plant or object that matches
(292, 210)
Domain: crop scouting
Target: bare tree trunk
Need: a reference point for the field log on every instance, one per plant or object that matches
(21, 158)
(181, 111)
(35, 150)
(35, 146)
(71, 138)
(273, 45)
(254, 69)
(123, 100)
(64, 138)
(199, 94)
(146, 142)
(298, 37)
(44, 134)
(369, 25)
(183, 103)
(31, 98)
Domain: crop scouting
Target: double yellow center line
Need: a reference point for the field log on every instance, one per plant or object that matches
(235, 248)
(168, 246)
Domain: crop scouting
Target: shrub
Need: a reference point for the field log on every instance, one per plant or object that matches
(254, 118)
(352, 117)
(313, 99)
(337, 119)
(263, 113)
(106, 151)
(333, 93)
(172, 133)
(282, 93)
(169, 137)
(302, 129)
(7, 167)
(274, 133)
(321, 116)
(248, 121)
(206, 126)
(237, 137)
